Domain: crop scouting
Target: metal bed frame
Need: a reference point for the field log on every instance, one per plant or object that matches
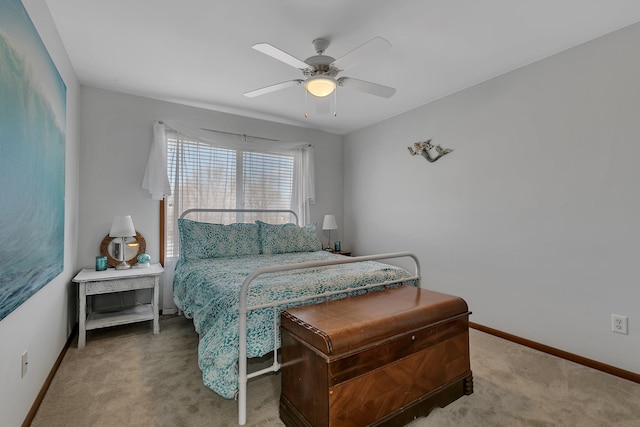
(244, 308)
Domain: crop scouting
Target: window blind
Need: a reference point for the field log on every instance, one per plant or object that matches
(204, 176)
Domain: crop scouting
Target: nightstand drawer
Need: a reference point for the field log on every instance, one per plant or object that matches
(119, 285)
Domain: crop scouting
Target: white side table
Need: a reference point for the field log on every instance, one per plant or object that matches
(92, 282)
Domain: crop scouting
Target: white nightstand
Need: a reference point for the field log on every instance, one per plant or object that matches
(92, 282)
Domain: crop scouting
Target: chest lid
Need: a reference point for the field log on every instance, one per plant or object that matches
(339, 326)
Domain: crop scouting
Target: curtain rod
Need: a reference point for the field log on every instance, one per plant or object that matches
(238, 134)
(241, 134)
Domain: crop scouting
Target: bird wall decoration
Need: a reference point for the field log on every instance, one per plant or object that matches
(425, 148)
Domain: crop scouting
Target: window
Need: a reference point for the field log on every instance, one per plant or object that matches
(228, 171)
(202, 175)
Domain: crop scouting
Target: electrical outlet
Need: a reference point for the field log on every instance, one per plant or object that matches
(25, 364)
(619, 324)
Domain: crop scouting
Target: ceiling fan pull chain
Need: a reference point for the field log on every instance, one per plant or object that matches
(306, 104)
(335, 103)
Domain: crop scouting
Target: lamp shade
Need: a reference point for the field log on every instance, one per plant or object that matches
(329, 223)
(122, 226)
(320, 86)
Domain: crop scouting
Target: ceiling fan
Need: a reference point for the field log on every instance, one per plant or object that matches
(321, 71)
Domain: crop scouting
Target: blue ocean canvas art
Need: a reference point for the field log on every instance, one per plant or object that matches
(32, 160)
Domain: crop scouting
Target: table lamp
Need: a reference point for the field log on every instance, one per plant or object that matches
(329, 223)
(122, 227)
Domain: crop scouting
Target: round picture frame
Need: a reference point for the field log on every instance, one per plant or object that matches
(105, 250)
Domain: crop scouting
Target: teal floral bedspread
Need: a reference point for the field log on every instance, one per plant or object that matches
(207, 290)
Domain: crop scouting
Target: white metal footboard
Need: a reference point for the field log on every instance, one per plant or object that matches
(243, 376)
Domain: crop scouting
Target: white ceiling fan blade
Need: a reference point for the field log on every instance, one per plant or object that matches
(367, 87)
(280, 55)
(371, 49)
(272, 88)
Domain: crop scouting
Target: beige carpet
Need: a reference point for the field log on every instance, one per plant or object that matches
(126, 376)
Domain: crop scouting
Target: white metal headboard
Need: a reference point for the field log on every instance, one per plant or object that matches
(207, 210)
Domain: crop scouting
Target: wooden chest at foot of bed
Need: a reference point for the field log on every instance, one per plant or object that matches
(382, 358)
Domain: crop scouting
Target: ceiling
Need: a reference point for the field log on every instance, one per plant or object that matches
(198, 52)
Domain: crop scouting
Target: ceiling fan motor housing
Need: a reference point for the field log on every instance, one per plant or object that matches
(320, 64)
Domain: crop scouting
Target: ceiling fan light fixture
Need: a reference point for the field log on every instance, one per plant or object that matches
(320, 86)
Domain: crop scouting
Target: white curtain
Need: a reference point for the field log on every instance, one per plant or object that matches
(155, 174)
(304, 185)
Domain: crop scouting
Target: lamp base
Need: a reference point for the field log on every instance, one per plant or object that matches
(123, 266)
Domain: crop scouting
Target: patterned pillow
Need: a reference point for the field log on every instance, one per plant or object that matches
(285, 238)
(199, 240)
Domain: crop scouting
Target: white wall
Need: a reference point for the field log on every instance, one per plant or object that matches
(116, 134)
(534, 219)
(42, 324)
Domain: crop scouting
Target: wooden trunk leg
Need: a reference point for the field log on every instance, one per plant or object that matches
(468, 385)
